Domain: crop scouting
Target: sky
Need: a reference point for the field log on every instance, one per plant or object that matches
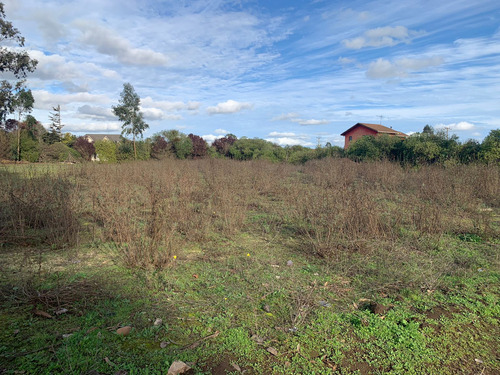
(291, 72)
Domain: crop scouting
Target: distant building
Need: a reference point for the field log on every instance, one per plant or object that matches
(361, 129)
(92, 138)
(103, 137)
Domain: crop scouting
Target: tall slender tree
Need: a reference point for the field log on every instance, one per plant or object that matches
(128, 112)
(55, 120)
(55, 133)
(23, 102)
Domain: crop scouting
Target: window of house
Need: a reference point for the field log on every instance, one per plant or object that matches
(350, 138)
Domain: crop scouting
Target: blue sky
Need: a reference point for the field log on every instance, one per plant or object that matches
(292, 72)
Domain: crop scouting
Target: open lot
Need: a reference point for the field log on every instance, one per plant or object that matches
(254, 267)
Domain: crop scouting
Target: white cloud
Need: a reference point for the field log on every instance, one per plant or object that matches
(95, 112)
(289, 139)
(230, 106)
(169, 106)
(460, 126)
(400, 68)
(192, 106)
(381, 37)
(57, 67)
(295, 117)
(108, 127)
(278, 134)
(286, 141)
(221, 131)
(109, 43)
(210, 137)
(345, 61)
(47, 100)
(287, 116)
(311, 122)
(153, 114)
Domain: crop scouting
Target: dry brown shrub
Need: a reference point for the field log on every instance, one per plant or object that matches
(38, 210)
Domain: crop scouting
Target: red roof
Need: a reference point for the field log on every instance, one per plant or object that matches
(378, 128)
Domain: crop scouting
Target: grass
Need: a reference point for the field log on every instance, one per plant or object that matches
(238, 258)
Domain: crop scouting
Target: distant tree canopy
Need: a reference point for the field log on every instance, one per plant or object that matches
(222, 145)
(427, 147)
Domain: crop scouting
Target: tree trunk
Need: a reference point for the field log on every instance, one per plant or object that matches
(135, 151)
(18, 142)
(19, 138)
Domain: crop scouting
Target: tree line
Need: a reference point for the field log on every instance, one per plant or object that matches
(29, 141)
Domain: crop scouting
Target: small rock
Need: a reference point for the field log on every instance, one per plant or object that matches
(66, 335)
(267, 308)
(124, 331)
(61, 311)
(178, 367)
(293, 329)
(324, 304)
(272, 351)
(478, 360)
(289, 263)
(158, 322)
(163, 344)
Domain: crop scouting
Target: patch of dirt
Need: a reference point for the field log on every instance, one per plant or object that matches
(224, 367)
(353, 364)
(375, 308)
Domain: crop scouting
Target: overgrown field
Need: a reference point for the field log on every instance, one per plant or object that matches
(332, 267)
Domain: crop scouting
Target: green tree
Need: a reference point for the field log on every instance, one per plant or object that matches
(256, 148)
(36, 130)
(469, 151)
(13, 60)
(29, 146)
(490, 148)
(428, 129)
(106, 151)
(180, 144)
(129, 113)
(365, 148)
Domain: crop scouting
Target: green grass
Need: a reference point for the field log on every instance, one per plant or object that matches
(253, 302)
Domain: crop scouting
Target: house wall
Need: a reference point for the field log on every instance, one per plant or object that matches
(356, 133)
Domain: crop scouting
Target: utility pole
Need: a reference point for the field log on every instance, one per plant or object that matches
(381, 117)
(447, 129)
(318, 138)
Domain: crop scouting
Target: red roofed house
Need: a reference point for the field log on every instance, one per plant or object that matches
(361, 129)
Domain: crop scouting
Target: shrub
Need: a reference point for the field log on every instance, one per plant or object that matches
(106, 151)
(84, 147)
